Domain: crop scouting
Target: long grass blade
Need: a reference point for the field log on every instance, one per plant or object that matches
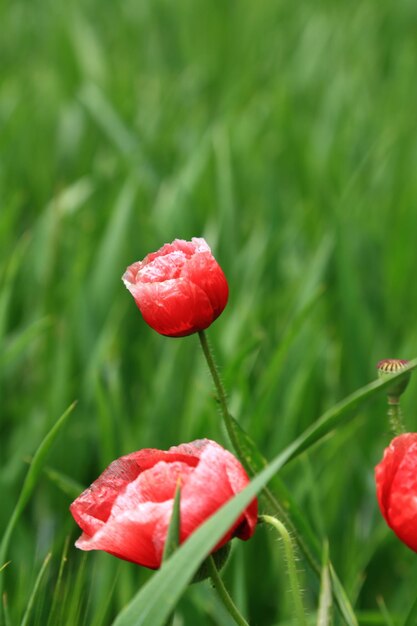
(31, 602)
(30, 482)
(16, 345)
(53, 613)
(6, 612)
(173, 535)
(65, 483)
(411, 619)
(324, 615)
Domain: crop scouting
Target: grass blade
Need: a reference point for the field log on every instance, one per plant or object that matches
(111, 246)
(411, 618)
(324, 616)
(34, 471)
(53, 614)
(26, 616)
(6, 613)
(341, 412)
(15, 346)
(65, 483)
(388, 620)
(7, 282)
(173, 535)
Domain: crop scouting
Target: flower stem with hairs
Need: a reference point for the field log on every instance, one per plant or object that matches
(395, 416)
(291, 567)
(221, 393)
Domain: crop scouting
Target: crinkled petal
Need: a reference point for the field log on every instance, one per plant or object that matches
(193, 449)
(127, 510)
(94, 505)
(156, 484)
(180, 289)
(130, 534)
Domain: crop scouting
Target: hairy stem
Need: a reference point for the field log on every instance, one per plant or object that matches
(395, 415)
(221, 394)
(291, 566)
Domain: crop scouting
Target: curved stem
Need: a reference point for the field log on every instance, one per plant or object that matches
(221, 393)
(291, 566)
(224, 594)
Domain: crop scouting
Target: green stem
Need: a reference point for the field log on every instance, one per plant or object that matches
(254, 463)
(221, 393)
(395, 415)
(291, 566)
(224, 594)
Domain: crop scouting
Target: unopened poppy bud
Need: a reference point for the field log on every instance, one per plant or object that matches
(386, 368)
(180, 289)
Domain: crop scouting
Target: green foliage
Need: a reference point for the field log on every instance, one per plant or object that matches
(154, 602)
(324, 613)
(282, 132)
(29, 485)
(173, 536)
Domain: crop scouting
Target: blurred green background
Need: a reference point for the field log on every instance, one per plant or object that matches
(283, 132)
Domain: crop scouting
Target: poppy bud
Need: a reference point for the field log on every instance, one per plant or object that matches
(180, 289)
(396, 487)
(385, 368)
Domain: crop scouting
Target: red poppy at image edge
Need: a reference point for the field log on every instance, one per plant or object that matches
(127, 510)
(396, 486)
(180, 289)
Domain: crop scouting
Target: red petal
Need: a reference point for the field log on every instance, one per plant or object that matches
(217, 478)
(386, 470)
(194, 448)
(156, 484)
(130, 534)
(402, 507)
(94, 505)
(175, 308)
(204, 271)
(180, 289)
(127, 511)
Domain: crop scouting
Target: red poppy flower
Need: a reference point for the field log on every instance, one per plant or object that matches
(180, 289)
(396, 487)
(127, 510)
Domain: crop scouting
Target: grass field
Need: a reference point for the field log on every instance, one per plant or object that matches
(285, 133)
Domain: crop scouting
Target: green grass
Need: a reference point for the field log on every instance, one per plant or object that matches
(284, 133)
